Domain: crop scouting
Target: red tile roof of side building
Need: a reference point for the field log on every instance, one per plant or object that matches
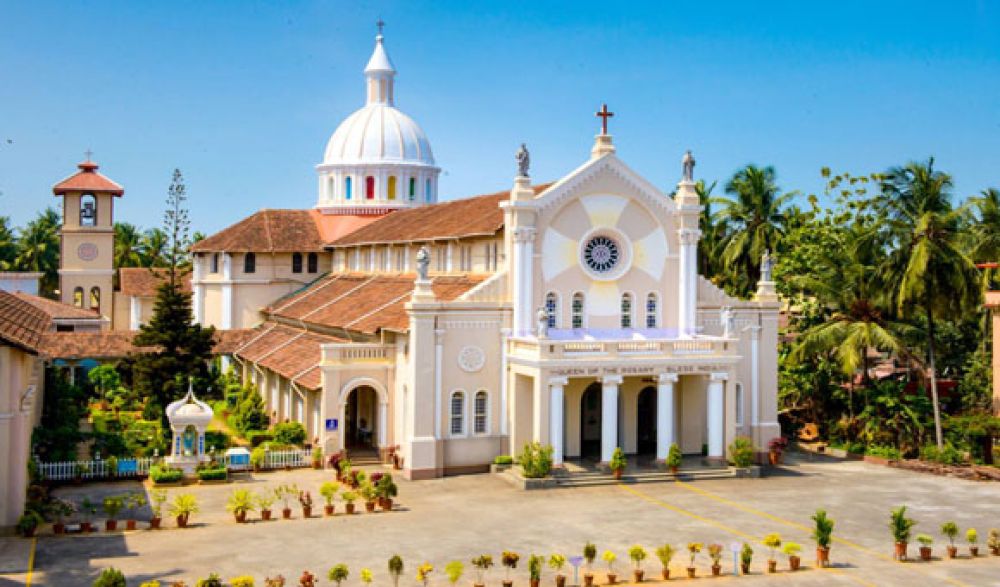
(22, 324)
(58, 310)
(144, 281)
(291, 352)
(467, 217)
(267, 231)
(87, 180)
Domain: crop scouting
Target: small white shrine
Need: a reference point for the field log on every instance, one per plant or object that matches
(189, 417)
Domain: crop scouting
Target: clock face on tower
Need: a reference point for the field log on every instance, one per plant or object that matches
(87, 251)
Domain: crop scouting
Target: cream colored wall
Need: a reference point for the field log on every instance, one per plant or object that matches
(359, 258)
(18, 371)
(692, 416)
(97, 272)
(213, 304)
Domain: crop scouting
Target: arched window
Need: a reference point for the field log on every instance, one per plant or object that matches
(312, 263)
(552, 308)
(215, 263)
(296, 262)
(652, 313)
(457, 413)
(738, 403)
(480, 424)
(78, 297)
(577, 310)
(95, 298)
(427, 190)
(347, 188)
(392, 187)
(370, 187)
(413, 188)
(249, 263)
(88, 210)
(626, 310)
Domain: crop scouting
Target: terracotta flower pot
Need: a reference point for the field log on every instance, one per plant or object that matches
(317, 465)
(307, 511)
(387, 504)
(974, 551)
(30, 532)
(692, 571)
(478, 585)
(900, 551)
(508, 583)
(665, 573)
(612, 578)
(588, 580)
(674, 470)
(369, 506)
(182, 521)
(952, 551)
(286, 513)
(110, 525)
(560, 580)
(794, 562)
(59, 528)
(130, 524)
(925, 553)
(617, 473)
(533, 582)
(745, 568)
(637, 575)
(154, 523)
(241, 516)
(822, 556)
(86, 527)
(349, 508)
(329, 509)
(772, 566)
(995, 550)
(265, 515)
(774, 458)
(716, 570)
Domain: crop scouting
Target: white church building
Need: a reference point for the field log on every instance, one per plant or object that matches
(569, 313)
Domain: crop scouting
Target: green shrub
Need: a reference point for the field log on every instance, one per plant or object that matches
(258, 437)
(949, 455)
(536, 460)
(290, 433)
(213, 474)
(213, 580)
(110, 577)
(503, 460)
(741, 451)
(165, 474)
(257, 457)
(886, 452)
(218, 439)
(674, 456)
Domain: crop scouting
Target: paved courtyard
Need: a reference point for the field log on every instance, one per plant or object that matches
(461, 517)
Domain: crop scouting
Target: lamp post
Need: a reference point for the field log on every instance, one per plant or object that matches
(734, 547)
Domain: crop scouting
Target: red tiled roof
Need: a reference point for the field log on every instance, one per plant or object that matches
(267, 231)
(22, 324)
(364, 303)
(227, 341)
(87, 180)
(90, 345)
(290, 352)
(143, 281)
(475, 216)
(58, 310)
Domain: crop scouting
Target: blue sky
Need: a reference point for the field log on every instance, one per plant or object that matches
(242, 96)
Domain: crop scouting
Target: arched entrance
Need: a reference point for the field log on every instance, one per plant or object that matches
(590, 422)
(646, 421)
(361, 418)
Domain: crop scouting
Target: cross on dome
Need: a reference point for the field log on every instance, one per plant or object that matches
(88, 153)
(380, 24)
(604, 114)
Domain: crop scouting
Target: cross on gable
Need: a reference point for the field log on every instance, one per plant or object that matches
(604, 115)
(380, 24)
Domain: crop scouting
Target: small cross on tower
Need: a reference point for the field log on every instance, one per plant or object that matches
(88, 153)
(604, 115)
(380, 24)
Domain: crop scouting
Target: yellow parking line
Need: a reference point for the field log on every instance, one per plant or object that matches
(31, 562)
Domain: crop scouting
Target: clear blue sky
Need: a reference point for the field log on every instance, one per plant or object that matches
(242, 96)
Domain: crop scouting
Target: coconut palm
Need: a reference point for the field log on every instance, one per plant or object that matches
(927, 269)
(38, 249)
(8, 244)
(154, 248)
(755, 220)
(128, 245)
(710, 230)
(986, 229)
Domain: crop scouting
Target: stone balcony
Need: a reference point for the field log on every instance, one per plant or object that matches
(355, 353)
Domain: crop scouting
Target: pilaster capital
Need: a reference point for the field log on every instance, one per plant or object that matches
(689, 236)
(754, 330)
(524, 234)
(558, 381)
(615, 380)
(665, 378)
(439, 336)
(718, 377)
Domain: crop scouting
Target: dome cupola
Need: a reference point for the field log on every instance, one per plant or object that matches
(378, 159)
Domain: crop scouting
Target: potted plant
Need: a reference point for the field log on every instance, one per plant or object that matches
(307, 579)
(338, 573)
(715, 553)
(424, 573)
(972, 537)
(535, 569)
(453, 571)
(112, 505)
(87, 511)
(556, 563)
(133, 503)
(317, 458)
(693, 549)
(240, 502)
(329, 491)
(28, 523)
(950, 530)
(61, 509)
(746, 557)
(609, 557)
(110, 577)
(925, 546)
(265, 499)
(792, 550)
(993, 542)
(306, 501)
(387, 491)
(674, 458)
(366, 576)
(589, 554)
(367, 491)
(482, 563)
(349, 498)
(395, 569)
(665, 553)
(157, 498)
(257, 459)
(183, 506)
(213, 580)
(241, 581)
(775, 448)
(509, 560)
(823, 535)
(276, 581)
(618, 462)
(901, 526)
(637, 554)
(287, 493)
(773, 542)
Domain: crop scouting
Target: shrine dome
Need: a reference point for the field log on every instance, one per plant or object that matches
(378, 159)
(189, 410)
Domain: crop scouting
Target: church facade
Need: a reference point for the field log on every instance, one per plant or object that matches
(568, 313)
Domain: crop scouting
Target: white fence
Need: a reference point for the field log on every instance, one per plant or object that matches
(100, 469)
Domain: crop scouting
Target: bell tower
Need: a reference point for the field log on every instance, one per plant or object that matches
(86, 259)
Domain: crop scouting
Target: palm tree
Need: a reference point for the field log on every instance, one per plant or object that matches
(154, 248)
(38, 249)
(755, 218)
(128, 245)
(927, 269)
(8, 244)
(986, 229)
(708, 265)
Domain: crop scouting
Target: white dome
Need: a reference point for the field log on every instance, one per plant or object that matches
(379, 133)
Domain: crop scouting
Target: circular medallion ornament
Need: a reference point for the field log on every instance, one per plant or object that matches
(601, 253)
(87, 251)
(471, 359)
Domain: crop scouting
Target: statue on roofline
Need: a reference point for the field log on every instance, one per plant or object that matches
(523, 161)
(687, 164)
(543, 323)
(766, 266)
(423, 263)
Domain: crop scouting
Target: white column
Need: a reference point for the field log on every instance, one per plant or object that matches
(716, 415)
(754, 378)
(504, 335)
(687, 298)
(524, 252)
(609, 415)
(383, 422)
(135, 313)
(556, 392)
(665, 434)
(438, 359)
